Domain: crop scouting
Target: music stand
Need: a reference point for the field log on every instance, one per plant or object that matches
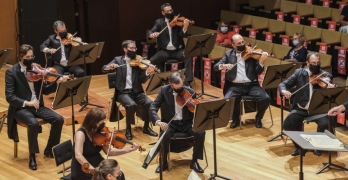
(4, 55)
(69, 93)
(85, 54)
(274, 76)
(199, 45)
(321, 102)
(212, 115)
(158, 80)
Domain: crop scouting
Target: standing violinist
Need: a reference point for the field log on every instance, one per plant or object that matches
(170, 43)
(241, 79)
(300, 103)
(129, 90)
(26, 104)
(85, 151)
(182, 119)
(60, 57)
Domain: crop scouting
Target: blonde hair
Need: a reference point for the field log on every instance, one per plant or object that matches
(301, 38)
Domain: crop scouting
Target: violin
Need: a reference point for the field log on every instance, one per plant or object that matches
(318, 79)
(37, 73)
(70, 39)
(184, 98)
(179, 21)
(252, 53)
(141, 63)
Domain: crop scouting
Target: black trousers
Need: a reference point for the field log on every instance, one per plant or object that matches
(131, 102)
(293, 122)
(76, 70)
(163, 55)
(185, 127)
(28, 116)
(252, 89)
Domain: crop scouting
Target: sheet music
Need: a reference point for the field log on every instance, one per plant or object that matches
(193, 176)
(323, 141)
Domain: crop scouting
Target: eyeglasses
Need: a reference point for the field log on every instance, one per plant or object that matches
(29, 57)
(240, 43)
(169, 11)
(132, 48)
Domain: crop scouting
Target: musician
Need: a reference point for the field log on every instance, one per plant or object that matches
(170, 43)
(242, 79)
(182, 119)
(224, 36)
(129, 91)
(108, 169)
(298, 52)
(60, 57)
(336, 110)
(299, 111)
(26, 104)
(85, 151)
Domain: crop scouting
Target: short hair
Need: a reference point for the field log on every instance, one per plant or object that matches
(301, 37)
(107, 166)
(23, 49)
(225, 22)
(126, 42)
(235, 36)
(165, 5)
(311, 54)
(58, 23)
(175, 78)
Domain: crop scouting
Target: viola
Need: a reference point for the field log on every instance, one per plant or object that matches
(185, 98)
(37, 73)
(141, 63)
(179, 21)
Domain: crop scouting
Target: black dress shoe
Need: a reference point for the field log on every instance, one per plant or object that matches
(129, 135)
(195, 166)
(32, 162)
(258, 123)
(149, 131)
(48, 153)
(317, 153)
(234, 123)
(297, 152)
(165, 167)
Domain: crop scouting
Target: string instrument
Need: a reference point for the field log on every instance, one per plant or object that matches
(71, 40)
(250, 52)
(315, 79)
(177, 21)
(184, 98)
(37, 73)
(141, 63)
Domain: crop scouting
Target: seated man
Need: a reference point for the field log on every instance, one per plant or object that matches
(299, 111)
(60, 57)
(242, 79)
(182, 119)
(129, 91)
(344, 20)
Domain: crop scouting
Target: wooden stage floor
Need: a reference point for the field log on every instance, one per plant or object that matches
(242, 154)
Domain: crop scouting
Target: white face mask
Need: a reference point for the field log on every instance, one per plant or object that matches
(224, 29)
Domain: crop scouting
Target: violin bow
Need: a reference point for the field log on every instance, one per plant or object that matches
(69, 38)
(307, 84)
(112, 136)
(169, 24)
(242, 58)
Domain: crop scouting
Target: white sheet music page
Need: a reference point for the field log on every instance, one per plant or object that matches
(193, 176)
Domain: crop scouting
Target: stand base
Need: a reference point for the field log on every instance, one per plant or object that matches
(327, 165)
(275, 137)
(213, 176)
(85, 103)
(201, 94)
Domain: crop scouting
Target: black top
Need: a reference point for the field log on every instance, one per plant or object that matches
(300, 55)
(91, 153)
(345, 13)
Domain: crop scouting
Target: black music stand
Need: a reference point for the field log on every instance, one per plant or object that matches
(158, 80)
(69, 93)
(321, 102)
(4, 55)
(212, 115)
(274, 76)
(85, 54)
(199, 45)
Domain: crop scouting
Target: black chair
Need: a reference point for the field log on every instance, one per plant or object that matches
(63, 153)
(2, 121)
(171, 61)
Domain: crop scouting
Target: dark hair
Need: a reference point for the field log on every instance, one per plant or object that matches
(105, 167)
(175, 78)
(225, 22)
(92, 118)
(23, 49)
(301, 38)
(57, 23)
(311, 54)
(165, 5)
(126, 42)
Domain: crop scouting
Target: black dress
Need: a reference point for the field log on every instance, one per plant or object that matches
(91, 153)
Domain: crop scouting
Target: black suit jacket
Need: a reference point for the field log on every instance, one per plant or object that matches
(165, 101)
(17, 91)
(138, 77)
(299, 79)
(53, 42)
(163, 39)
(252, 66)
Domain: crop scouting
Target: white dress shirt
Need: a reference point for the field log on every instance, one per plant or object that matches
(310, 93)
(170, 45)
(241, 76)
(177, 108)
(129, 83)
(31, 85)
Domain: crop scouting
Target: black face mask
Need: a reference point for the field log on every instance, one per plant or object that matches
(314, 68)
(169, 15)
(63, 34)
(28, 62)
(100, 127)
(131, 54)
(179, 90)
(241, 48)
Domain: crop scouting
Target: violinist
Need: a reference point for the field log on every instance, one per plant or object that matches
(26, 104)
(129, 90)
(182, 122)
(85, 151)
(300, 103)
(170, 42)
(60, 57)
(242, 79)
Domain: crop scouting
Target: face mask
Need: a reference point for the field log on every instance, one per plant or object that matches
(241, 48)
(131, 54)
(295, 42)
(63, 34)
(100, 127)
(179, 90)
(224, 29)
(314, 68)
(169, 15)
(28, 62)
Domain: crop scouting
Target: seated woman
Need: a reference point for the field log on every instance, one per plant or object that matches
(297, 53)
(108, 169)
(85, 151)
(224, 36)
